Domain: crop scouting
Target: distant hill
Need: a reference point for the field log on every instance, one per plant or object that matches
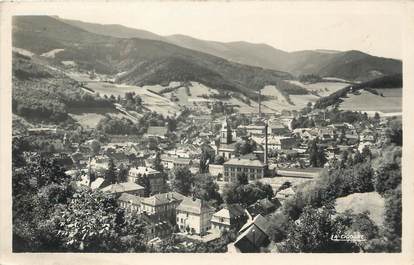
(350, 65)
(141, 61)
(391, 81)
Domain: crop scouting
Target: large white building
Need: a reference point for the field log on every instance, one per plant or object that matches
(194, 216)
(254, 169)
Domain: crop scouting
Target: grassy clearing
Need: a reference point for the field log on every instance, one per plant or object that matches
(360, 202)
(369, 102)
(90, 117)
(322, 88)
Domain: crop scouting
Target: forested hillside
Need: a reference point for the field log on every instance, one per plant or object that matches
(44, 94)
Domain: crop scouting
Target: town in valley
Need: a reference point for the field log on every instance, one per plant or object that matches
(140, 144)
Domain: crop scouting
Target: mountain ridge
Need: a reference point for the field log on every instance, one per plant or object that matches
(264, 55)
(144, 61)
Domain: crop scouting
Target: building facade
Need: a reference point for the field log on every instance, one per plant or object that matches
(254, 169)
(232, 216)
(156, 179)
(194, 216)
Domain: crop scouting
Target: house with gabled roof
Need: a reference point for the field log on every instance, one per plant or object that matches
(232, 216)
(131, 203)
(163, 206)
(253, 235)
(194, 216)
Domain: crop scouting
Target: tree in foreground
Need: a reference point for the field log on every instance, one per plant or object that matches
(93, 222)
(312, 232)
(246, 194)
(182, 180)
(206, 188)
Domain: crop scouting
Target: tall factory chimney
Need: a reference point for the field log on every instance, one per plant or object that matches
(265, 151)
(260, 104)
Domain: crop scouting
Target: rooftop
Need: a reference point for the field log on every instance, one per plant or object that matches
(193, 205)
(122, 187)
(126, 197)
(245, 162)
(143, 170)
(163, 198)
(230, 211)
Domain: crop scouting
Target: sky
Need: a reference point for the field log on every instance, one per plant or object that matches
(372, 27)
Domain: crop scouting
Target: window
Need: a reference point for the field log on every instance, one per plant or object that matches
(245, 169)
(239, 169)
(252, 170)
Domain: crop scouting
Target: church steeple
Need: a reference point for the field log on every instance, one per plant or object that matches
(226, 133)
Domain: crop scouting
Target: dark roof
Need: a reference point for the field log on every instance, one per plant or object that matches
(253, 235)
(260, 222)
(262, 207)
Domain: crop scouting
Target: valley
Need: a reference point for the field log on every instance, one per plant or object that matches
(127, 141)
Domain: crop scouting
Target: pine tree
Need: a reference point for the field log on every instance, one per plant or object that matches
(321, 157)
(122, 174)
(143, 180)
(110, 174)
(313, 154)
(157, 163)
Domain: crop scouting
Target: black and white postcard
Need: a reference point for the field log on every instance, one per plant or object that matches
(151, 128)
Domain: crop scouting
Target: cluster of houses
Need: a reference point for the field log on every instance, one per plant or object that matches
(165, 212)
(171, 212)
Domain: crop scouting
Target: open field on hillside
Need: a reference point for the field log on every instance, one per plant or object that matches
(151, 100)
(90, 117)
(52, 53)
(108, 89)
(301, 101)
(360, 202)
(322, 88)
(277, 101)
(366, 101)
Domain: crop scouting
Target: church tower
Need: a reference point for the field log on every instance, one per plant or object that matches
(226, 133)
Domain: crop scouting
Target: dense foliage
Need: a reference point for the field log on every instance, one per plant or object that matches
(44, 94)
(246, 193)
(52, 214)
